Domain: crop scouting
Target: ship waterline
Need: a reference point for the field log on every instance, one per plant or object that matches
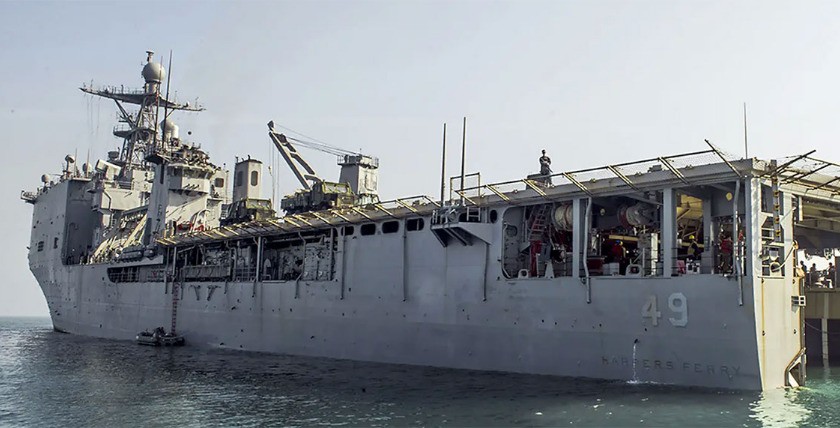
(545, 327)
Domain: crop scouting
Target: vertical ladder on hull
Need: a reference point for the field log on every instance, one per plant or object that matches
(537, 223)
(777, 209)
(175, 292)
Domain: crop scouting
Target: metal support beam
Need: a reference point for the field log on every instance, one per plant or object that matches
(301, 219)
(623, 177)
(573, 180)
(802, 175)
(833, 180)
(339, 215)
(320, 217)
(406, 206)
(726, 161)
(669, 231)
(288, 219)
(784, 166)
(673, 170)
(497, 192)
(360, 212)
(534, 187)
(381, 208)
(465, 198)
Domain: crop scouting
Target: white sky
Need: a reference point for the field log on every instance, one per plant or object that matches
(592, 82)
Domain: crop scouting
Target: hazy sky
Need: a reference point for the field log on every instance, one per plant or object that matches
(591, 82)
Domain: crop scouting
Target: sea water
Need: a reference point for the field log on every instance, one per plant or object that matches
(54, 379)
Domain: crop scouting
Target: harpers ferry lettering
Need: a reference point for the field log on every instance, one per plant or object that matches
(686, 366)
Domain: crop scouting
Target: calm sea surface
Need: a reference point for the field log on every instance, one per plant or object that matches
(54, 379)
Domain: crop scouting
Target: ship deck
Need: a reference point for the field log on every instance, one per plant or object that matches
(803, 175)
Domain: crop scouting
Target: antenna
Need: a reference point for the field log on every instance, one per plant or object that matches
(463, 154)
(443, 167)
(746, 151)
(166, 104)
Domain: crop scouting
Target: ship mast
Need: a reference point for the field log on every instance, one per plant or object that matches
(139, 129)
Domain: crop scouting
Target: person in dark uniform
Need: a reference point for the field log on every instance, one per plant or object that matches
(545, 167)
(618, 254)
(694, 250)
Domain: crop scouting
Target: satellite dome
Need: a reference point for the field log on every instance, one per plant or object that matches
(169, 128)
(167, 123)
(154, 72)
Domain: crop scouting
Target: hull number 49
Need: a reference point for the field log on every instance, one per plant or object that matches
(677, 304)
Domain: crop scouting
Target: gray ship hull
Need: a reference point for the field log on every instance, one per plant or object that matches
(539, 327)
(405, 298)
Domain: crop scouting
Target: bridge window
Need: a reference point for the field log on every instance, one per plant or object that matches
(220, 182)
(55, 242)
(40, 245)
(390, 226)
(414, 224)
(237, 181)
(348, 230)
(368, 229)
(254, 178)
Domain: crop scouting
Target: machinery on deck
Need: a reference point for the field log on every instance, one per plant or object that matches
(357, 183)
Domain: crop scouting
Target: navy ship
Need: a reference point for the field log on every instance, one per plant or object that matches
(679, 269)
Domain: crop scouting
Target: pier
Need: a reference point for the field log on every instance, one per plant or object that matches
(822, 325)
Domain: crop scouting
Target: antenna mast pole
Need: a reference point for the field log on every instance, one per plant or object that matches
(746, 151)
(166, 105)
(463, 153)
(443, 167)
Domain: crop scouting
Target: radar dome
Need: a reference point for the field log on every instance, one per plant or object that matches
(154, 72)
(169, 128)
(167, 123)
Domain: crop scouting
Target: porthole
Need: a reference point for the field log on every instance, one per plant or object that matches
(414, 224)
(390, 226)
(368, 229)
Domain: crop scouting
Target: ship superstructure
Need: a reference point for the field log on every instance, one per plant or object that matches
(678, 269)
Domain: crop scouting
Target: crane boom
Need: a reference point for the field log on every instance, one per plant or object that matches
(290, 154)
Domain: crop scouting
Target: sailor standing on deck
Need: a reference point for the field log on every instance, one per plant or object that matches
(545, 167)
(726, 253)
(694, 250)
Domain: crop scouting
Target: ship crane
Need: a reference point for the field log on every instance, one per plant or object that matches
(293, 158)
(357, 183)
